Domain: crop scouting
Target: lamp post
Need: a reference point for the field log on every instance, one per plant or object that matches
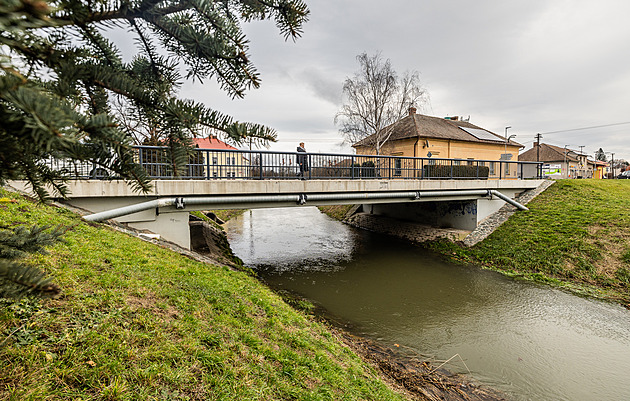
(612, 164)
(506, 141)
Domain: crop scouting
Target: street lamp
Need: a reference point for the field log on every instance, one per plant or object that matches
(507, 140)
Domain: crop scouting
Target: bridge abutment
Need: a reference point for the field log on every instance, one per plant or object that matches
(172, 226)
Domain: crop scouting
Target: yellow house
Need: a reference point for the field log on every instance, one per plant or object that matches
(220, 164)
(417, 135)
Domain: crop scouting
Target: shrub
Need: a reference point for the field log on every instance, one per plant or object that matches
(460, 171)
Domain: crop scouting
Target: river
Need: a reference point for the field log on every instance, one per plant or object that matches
(531, 342)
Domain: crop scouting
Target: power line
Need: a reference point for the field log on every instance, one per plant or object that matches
(583, 128)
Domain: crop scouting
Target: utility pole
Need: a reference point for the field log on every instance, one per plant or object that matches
(566, 165)
(612, 164)
(538, 136)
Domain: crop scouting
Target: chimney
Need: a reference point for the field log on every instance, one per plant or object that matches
(412, 110)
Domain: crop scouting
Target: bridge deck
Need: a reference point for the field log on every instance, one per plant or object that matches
(161, 188)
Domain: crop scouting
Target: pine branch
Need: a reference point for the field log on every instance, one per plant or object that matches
(17, 280)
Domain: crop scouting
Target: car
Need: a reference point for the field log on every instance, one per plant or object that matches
(624, 175)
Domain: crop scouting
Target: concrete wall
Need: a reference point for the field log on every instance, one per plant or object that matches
(172, 226)
(451, 214)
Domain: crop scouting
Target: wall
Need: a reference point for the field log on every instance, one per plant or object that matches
(172, 226)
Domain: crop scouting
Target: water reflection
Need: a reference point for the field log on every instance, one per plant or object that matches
(531, 341)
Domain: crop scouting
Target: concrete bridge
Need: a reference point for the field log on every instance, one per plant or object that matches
(409, 188)
(165, 210)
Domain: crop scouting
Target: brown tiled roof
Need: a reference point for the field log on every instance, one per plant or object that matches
(549, 153)
(418, 125)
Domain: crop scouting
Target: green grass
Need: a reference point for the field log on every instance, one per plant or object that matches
(337, 212)
(139, 322)
(576, 234)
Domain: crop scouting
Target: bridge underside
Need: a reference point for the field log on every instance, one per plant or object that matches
(165, 210)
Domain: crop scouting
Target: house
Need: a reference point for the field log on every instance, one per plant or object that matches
(560, 162)
(417, 135)
(600, 169)
(223, 161)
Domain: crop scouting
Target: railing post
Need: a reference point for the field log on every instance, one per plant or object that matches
(352, 167)
(422, 169)
(452, 169)
(140, 162)
(207, 158)
(500, 169)
(310, 166)
(260, 167)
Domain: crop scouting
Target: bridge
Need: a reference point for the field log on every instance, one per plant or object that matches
(400, 187)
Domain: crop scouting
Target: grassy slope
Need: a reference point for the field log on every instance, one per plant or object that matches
(577, 232)
(140, 322)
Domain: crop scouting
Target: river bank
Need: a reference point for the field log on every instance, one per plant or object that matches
(576, 236)
(136, 321)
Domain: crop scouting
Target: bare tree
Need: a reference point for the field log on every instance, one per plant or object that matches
(375, 98)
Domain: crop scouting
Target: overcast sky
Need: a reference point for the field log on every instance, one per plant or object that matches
(535, 65)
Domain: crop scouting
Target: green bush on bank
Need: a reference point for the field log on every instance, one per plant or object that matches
(138, 322)
(577, 232)
(455, 171)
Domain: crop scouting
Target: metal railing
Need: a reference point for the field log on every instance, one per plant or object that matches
(209, 164)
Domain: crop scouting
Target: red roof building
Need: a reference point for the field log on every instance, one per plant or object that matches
(212, 143)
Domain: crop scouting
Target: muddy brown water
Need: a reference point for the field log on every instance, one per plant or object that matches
(529, 341)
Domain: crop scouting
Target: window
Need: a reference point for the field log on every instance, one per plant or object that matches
(397, 167)
(234, 161)
(470, 161)
(507, 168)
(457, 162)
(214, 160)
(491, 166)
(227, 161)
(214, 175)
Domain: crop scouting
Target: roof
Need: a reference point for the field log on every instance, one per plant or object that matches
(549, 153)
(418, 125)
(212, 143)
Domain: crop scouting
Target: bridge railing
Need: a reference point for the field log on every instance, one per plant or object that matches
(209, 164)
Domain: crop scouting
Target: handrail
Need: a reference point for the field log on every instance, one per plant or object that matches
(209, 164)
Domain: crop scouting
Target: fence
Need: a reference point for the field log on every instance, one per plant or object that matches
(211, 164)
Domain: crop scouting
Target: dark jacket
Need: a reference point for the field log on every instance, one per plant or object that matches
(302, 160)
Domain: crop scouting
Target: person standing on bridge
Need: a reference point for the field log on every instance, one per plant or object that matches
(302, 161)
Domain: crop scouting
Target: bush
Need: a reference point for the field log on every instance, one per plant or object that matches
(368, 169)
(460, 171)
